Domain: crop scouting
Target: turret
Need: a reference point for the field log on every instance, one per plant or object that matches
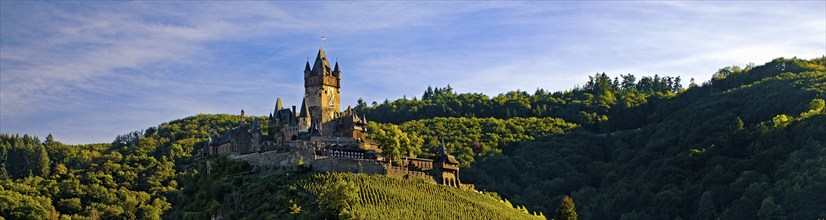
(336, 71)
(305, 111)
(278, 105)
(307, 69)
(304, 117)
(242, 116)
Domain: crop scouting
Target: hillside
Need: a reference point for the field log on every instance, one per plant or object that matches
(155, 174)
(747, 144)
(307, 195)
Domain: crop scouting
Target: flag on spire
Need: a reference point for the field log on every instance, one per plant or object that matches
(323, 38)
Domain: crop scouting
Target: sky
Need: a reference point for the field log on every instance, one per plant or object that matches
(87, 71)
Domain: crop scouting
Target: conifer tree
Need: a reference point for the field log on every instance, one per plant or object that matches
(566, 210)
(49, 139)
(41, 162)
(4, 155)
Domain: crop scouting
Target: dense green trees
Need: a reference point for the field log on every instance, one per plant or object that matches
(136, 176)
(588, 105)
(23, 156)
(723, 149)
(647, 148)
(394, 141)
(466, 138)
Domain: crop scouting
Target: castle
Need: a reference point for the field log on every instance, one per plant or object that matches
(320, 136)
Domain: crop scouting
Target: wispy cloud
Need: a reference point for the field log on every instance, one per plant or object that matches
(87, 71)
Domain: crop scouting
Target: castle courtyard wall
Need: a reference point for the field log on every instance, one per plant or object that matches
(272, 161)
(350, 165)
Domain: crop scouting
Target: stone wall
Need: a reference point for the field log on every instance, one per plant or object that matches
(350, 165)
(273, 161)
(402, 172)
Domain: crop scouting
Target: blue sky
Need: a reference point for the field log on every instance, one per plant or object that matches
(88, 71)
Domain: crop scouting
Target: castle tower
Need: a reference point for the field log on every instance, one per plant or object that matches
(321, 89)
(304, 118)
(447, 168)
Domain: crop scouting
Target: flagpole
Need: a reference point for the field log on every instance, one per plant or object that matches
(323, 39)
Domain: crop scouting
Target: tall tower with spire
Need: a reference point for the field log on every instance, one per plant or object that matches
(321, 90)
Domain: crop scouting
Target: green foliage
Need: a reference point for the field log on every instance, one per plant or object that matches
(15, 205)
(135, 176)
(394, 141)
(587, 105)
(23, 156)
(339, 198)
(468, 138)
(746, 145)
(566, 210)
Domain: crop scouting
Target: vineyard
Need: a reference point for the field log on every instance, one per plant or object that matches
(382, 197)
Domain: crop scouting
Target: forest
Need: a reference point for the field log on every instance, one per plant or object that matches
(745, 145)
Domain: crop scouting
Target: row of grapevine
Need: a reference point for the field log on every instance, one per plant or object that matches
(382, 197)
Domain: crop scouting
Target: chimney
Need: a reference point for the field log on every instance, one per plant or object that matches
(294, 113)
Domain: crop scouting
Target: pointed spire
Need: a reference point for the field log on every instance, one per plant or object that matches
(321, 66)
(242, 115)
(307, 70)
(278, 105)
(442, 150)
(336, 71)
(305, 111)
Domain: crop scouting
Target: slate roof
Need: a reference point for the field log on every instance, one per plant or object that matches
(305, 111)
(321, 67)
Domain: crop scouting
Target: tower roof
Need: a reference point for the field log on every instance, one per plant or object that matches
(443, 156)
(278, 105)
(305, 111)
(321, 66)
(336, 71)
